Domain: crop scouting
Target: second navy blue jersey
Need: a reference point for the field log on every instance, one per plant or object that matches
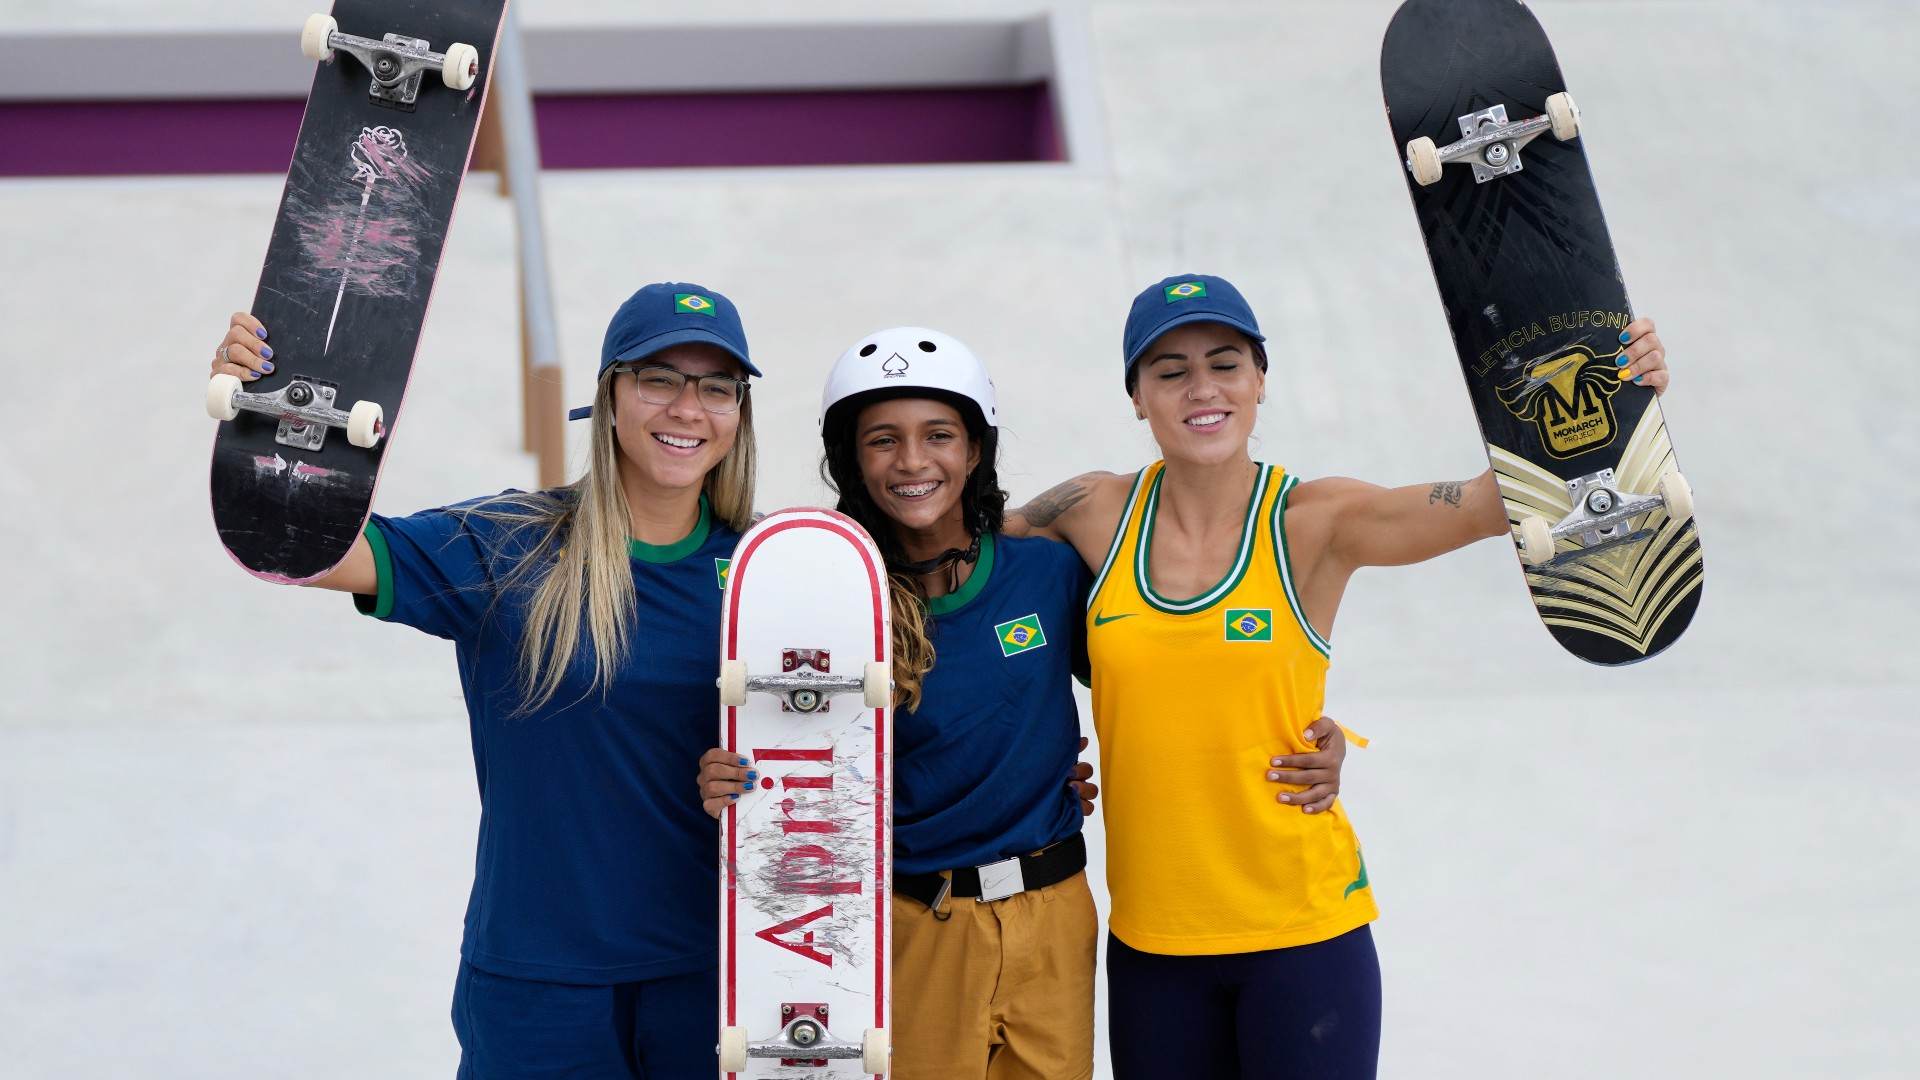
(981, 767)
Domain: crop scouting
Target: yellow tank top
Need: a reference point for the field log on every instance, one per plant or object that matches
(1192, 699)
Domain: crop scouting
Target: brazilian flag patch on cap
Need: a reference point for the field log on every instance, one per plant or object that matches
(1249, 624)
(1020, 635)
(1186, 290)
(692, 303)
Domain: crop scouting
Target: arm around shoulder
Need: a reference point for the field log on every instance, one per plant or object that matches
(1065, 509)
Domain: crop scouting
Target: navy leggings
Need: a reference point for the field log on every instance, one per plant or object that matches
(1311, 1012)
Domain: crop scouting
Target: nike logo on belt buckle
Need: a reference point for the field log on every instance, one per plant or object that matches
(1001, 879)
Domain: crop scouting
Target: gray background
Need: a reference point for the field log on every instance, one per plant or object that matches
(1704, 865)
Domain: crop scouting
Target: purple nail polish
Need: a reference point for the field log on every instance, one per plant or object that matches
(262, 332)
(266, 366)
(266, 351)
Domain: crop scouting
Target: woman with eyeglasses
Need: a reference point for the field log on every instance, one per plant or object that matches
(584, 620)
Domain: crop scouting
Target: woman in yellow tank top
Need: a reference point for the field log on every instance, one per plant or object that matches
(1239, 930)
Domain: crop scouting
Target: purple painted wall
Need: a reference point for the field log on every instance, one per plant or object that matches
(576, 132)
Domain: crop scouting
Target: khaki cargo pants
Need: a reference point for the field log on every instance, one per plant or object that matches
(1001, 990)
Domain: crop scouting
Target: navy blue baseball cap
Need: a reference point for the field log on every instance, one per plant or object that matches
(666, 314)
(1182, 299)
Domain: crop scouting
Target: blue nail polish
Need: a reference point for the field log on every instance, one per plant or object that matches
(736, 798)
(1620, 361)
(748, 787)
(1625, 337)
(266, 365)
(744, 761)
(752, 775)
(1640, 380)
(266, 351)
(262, 332)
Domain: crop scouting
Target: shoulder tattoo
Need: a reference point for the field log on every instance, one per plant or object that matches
(1046, 507)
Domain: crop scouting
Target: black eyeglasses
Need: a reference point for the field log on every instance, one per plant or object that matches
(661, 385)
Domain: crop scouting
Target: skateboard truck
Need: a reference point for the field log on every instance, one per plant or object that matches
(805, 1039)
(397, 62)
(805, 691)
(1490, 143)
(1601, 517)
(304, 408)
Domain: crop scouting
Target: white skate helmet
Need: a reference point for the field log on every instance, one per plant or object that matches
(906, 359)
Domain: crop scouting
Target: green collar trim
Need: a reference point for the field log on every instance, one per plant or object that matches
(679, 549)
(1143, 554)
(976, 581)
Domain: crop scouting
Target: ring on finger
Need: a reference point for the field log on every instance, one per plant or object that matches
(223, 353)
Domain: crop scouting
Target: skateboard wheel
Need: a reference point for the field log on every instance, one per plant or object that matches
(314, 35)
(733, 682)
(1677, 496)
(1424, 159)
(733, 1049)
(364, 424)
(461, 65)
(1565, 116)
(220, 391)
(874, 1052)
(877, 685)
(1536, 541)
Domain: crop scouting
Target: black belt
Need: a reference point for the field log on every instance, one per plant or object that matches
(1049, 866)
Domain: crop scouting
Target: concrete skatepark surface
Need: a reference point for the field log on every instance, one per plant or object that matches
(237, 820)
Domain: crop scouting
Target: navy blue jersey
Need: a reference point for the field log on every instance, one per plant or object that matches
(981, 768)
(595, 861)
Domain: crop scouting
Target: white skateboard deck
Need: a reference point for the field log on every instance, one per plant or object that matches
(806, 857)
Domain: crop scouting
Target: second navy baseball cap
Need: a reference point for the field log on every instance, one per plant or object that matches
(1182, 299)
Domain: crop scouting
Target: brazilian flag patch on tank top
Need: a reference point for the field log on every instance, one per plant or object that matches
(1249, 624)
(1020, 635)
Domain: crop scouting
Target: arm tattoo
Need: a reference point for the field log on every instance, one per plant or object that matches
(1047, 506)
(1449, 491)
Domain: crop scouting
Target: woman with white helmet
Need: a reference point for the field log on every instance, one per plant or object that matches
(995, 933)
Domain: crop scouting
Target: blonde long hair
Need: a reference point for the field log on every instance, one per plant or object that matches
(575, 564)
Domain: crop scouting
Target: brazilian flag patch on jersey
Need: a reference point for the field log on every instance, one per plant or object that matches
(1020, 635)
(1250, 624)
(720, 568)
(1186, 290)
(692, 303)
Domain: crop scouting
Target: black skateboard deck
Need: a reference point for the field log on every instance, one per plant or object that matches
(383, 147)
(1536, 304)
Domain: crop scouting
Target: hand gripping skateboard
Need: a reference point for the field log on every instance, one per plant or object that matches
(1602, 517)
(389, 126)
(806, 857)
